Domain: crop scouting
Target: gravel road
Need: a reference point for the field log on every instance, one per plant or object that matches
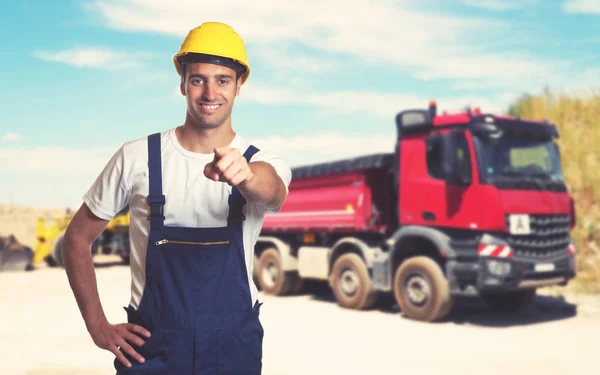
(42, 333)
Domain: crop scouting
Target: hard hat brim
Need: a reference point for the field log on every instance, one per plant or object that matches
(193, 57)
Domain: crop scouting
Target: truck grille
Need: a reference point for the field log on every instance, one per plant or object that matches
(549, 237)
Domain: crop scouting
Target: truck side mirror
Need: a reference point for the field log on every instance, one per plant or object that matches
(450, 162)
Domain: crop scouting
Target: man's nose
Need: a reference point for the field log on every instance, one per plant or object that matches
(209, 92)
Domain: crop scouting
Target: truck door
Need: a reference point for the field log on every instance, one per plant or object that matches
(451, 204)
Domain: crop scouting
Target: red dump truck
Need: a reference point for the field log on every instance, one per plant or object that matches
(468, 204)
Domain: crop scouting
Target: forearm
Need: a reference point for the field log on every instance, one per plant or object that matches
(264, 187)
(80, 271)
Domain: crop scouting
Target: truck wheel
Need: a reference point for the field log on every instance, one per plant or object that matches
(421, 290)
(57, 257)
(509, 302)
(351, 283)
(255, 273)
(296, 283)
(95, 246)
(271, 277)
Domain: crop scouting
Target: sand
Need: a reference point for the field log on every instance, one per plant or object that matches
(43, 334)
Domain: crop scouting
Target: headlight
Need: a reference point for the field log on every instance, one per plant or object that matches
(498, 267)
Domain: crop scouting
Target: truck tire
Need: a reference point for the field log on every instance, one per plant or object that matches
(255, 273)
(351, 283)
(271, 276)
(421, 290)
(509, 302)
(296, 283)
(96, 246)
(57, 258)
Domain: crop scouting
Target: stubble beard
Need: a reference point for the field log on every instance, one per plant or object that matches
(202, 122)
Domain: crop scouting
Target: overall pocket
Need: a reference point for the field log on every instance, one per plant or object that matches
(155, 350)
(242, 349)
(166, 241)
(250, 337)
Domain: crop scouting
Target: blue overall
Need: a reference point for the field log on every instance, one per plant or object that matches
(196, 302)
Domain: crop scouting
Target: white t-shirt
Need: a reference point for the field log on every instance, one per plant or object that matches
(192, 200)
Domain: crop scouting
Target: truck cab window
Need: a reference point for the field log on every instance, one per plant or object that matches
(464, 159)
(434, 159)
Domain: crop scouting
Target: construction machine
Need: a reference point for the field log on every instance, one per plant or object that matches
(14, 256)
(49, 235)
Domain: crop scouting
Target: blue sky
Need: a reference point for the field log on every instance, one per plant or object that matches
(79, 78)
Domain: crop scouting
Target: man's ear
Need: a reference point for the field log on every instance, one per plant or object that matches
(239, 86)
(182, 86)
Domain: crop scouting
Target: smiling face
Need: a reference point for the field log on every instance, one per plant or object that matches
(210, 91)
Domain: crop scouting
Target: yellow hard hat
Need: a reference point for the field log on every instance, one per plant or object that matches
(216, 43)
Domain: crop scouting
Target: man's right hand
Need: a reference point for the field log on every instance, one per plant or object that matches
(116, 338)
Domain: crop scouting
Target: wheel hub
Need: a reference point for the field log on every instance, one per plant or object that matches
(349, 282)
(418, 290)
(270, 274)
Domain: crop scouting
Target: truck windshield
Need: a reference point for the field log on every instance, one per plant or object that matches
(511, 158)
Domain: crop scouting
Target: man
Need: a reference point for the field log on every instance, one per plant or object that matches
(197, 195)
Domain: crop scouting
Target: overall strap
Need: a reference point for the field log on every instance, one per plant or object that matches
(236, 199)
(155, 199)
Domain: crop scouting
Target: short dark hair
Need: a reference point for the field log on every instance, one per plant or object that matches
(193, 57)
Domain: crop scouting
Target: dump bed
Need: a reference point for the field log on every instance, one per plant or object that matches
(344, 195)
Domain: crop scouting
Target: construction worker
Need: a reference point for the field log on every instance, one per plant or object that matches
(197, 195)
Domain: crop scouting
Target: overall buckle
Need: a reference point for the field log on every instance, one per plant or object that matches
(236, 207)
(156, 203)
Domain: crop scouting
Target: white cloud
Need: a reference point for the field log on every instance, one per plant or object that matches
(499, 5)
(448, 47)
(591, 75)
(382, 105)
(11, 137)
(177, 92)
(324, 147)
(293, 62)
(28, 160)
(50, 176)
(94, 57)
(582, 6)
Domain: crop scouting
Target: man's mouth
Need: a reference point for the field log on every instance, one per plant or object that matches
(210, 107)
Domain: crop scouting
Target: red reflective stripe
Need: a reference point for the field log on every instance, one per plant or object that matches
(497, 251)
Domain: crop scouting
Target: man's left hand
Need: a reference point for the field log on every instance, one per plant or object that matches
(229, 166)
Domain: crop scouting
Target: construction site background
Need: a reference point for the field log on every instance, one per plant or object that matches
(576, 115)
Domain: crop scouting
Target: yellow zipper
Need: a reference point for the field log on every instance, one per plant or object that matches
(165, 241)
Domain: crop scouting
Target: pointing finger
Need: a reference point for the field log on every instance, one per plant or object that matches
(222, 165)
(210, 172)
(221, 151)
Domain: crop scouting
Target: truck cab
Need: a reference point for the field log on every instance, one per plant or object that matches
(487, 193)
(468, 204)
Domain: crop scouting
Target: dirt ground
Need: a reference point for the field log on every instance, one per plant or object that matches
(43, 334)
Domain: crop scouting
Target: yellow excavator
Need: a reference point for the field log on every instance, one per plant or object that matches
(49, 235)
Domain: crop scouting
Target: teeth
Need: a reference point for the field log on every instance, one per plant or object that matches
(214, 106)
